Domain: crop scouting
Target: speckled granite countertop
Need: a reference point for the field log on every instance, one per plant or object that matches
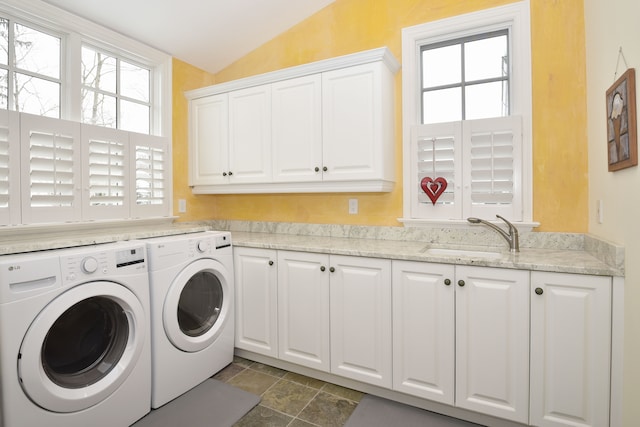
(557, 252)
(39, 239)
(556, 260)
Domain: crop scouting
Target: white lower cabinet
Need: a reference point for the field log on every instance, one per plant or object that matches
(256, 300)
(492, 341)
(330, 313)
(303, 303)
(570, 349)
(461, 336)
(530, 347)
(424, 330)
(361, 319)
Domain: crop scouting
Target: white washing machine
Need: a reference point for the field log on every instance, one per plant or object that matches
(74, 339)
(192, 314)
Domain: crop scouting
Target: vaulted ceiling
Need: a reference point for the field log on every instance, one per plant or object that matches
(210, 34)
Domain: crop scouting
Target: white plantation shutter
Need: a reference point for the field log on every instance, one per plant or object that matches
(436, 148)
(494, 165)
(105, 173)
(5, 169)
(51, 172)
(152, 170)
(481, 161)
(9, 168)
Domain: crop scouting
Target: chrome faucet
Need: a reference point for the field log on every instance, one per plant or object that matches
(511, 237)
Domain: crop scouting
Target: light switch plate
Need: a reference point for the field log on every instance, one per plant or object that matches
(600, 211)
(353, 206)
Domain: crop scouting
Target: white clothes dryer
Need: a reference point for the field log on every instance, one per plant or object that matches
(192, 313)
(74, 340)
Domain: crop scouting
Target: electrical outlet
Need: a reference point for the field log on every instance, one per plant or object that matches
(182, 206)
(353, 206)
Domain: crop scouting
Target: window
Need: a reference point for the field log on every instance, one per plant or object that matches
(466, 78)
(115, 92)
(85, 119)
(467, 117)
(30, 71)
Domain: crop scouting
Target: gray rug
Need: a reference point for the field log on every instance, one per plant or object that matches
(212, 403)
(373, 411)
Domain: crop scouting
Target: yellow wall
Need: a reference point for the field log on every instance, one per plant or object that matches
(348, 26)
(185, 77)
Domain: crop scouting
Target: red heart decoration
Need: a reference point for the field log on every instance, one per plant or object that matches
(433, 187)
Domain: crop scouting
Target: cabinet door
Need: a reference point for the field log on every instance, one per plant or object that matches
(256, 300)
(297, 129)
(360, 291)
(303, 309)
(492, 341)
(570, 349)
(209, 140)
(354, 126)
(250, 135)
(424, 330)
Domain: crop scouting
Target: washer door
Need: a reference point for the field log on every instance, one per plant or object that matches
(197, 305)
(82, 346)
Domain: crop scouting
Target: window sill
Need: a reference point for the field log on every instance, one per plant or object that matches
(460, 223)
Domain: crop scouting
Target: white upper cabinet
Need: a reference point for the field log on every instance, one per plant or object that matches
(297, 129)
(250, 135)
(320, 127)
(209, 125)
(357, 121)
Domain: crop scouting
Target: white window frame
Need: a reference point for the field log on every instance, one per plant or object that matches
(74, 32)
(117, 94)
(12, 69)
(516, 18)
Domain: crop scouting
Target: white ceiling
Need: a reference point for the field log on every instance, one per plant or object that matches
(209, 34)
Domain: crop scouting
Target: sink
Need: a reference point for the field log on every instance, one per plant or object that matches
(462, 253)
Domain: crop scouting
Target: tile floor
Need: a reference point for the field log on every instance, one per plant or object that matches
(289, 399)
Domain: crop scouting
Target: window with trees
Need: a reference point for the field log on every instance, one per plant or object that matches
(30, 71)
(115, 93)
(85, 121)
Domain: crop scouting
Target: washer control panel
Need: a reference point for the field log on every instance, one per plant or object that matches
(223, 240)
(80, 265)
(130, 256)
(96, 262)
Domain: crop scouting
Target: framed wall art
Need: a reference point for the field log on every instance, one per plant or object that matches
(622, 145)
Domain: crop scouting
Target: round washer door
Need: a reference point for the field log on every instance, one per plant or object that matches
(197, 305)
(82, 346)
